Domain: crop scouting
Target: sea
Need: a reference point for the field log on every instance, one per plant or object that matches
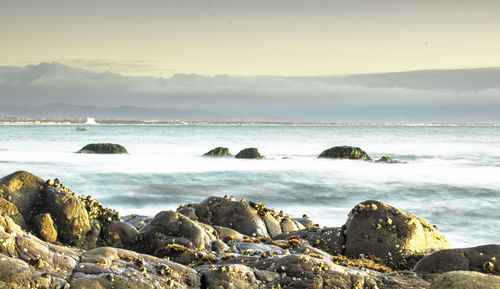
(449, 175)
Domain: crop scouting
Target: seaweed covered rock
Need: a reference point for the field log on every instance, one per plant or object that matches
(249, 153)
(22, 191)
(170, 227)
(345, 152)
(465, 280)
(218, 152)
(387, 160)
(395, 236)
(103, 148)
(484, 259)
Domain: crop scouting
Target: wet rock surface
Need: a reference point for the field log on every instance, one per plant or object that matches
(70, 241)
(103, 148)
(218, 152)
(249, 153)
(345, 152)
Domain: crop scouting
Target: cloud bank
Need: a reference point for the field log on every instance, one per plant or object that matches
(469, 95)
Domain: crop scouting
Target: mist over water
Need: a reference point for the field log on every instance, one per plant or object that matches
(451, 177)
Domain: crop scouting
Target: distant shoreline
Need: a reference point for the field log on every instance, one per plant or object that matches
(230, 123)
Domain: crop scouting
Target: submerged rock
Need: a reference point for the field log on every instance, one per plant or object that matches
(484, 259)
(103, 148)
(345, 152)
(395, 236)
(249, 153)
(388, 160)
(218, 152)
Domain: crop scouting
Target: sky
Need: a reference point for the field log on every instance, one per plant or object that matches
(360, 60)
(279, 37)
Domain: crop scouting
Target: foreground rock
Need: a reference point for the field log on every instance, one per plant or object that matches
(395, 236)
(20, 195)
(218, 152)
(465, 280)
(483, 259)
(103, 148)
(249, 153)
(345, 152)
(220, 243)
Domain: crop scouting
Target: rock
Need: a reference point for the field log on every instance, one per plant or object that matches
(120, 235)
(44, 227)
(103, 148)
(167, 226)
(228, 235)
(235, 215)
(395, 236)
(345, 152)
(384, 159)
(329, 240)
(69, 214)
(249, 153)
(228, 276)
(289, 225)
(218, 152)
(272, 225)
(482, 259)
(305, 221)
(137, 221)
(16, 274)
(465, 280)
(119, 269)
(9, 209)
(387, 160)
(219, 246)
(23, 190)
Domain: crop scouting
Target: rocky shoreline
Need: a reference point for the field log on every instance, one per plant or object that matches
(51, 237)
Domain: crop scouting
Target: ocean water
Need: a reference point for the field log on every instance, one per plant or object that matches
(451, 176)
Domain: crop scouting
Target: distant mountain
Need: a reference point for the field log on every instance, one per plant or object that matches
(459, 95)
(60, 111)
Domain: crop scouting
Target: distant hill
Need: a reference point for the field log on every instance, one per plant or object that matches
(55, 90)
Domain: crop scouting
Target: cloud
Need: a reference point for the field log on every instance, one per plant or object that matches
(448, 95)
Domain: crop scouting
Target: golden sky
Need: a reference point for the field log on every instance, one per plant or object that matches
(281, 37)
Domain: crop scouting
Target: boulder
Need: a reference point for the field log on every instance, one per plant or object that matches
(22, 189)
(484, 259)
(228, 276)
(289, 225)
(69, 214)
(169, 226)
(120, 235)
(9, 209)
(103, 148)
(235, 215)
(218, 152)
(43, 225)
(465, 280)
(345, 152)
(395, 236)
(249, 153)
